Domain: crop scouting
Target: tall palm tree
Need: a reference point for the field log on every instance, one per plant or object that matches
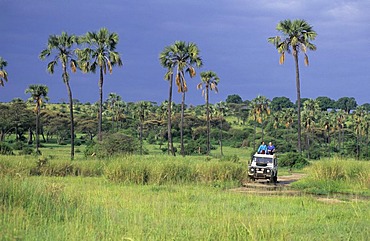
(296, 37)
(180, 57)
(38, 95)
(63, 45)
(260, 109)
(360, 117)
(114, 103)
(288, 116)
(209, 81)
(221, 109)
(141, 112)
(166, 62)
(341, 117)
(311, 109)
(99, 54)
(3, 73)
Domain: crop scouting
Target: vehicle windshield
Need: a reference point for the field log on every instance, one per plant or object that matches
(263, 160)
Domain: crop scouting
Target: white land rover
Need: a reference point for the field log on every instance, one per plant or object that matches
(263, 166)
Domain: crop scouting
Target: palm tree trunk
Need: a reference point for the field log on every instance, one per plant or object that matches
(298, 86)
(358, 146)
(141, 137)
(70, 111)
(169, 124)
(100, 115)
(208, 122)
(262, 126)
(254, 134)
(37, 129)
(221, 136)
(182, 124)
(2, 134)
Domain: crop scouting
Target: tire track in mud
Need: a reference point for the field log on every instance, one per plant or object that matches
(282, 187)
(263, 187)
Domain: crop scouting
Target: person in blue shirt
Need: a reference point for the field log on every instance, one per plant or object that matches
(262, 149)
(271, 149)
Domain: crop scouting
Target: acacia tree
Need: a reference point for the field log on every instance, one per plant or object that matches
(99, 54)
(180, 57)
(38, 95)
(62, 45)
(209, 81)
(296, 37)
(3, 73)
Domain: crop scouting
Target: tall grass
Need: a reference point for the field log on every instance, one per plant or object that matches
(160, 170)
(76, 208)
(133, 169)
(336, 175)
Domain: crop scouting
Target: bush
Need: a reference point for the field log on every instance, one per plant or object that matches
(5, 149)
(18, 145)
(292, 160)
(196, 147)
(26, 151)
(112, 144)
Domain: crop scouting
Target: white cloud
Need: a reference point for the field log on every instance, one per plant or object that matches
(347, 11)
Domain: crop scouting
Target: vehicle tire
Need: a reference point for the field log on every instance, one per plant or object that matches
(271, 180)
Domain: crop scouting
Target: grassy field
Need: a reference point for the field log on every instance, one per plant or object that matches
(191, 198)
(75, 208)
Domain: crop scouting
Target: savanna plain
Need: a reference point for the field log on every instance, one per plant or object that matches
(157, 197)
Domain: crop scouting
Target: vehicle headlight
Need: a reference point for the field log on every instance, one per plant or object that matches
(268, 170)
(252, 169)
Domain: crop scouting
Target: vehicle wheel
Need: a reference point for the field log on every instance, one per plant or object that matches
(275, 179)
(271, 180)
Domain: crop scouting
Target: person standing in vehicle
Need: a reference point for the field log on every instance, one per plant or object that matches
(271, 149)
(262, 149)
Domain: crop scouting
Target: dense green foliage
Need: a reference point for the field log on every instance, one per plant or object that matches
(325, 133)
(112, 144)
(292, 160)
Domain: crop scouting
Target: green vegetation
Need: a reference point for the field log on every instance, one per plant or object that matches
(74, 208)
(337, 176)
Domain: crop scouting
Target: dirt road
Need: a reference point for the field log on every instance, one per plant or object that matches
(282, 187)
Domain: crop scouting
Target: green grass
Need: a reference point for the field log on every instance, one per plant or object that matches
(337, 176)
(74, 208)
(100, 204)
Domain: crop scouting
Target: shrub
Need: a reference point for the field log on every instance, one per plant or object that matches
(292, 160)
(112, 144)
(5, 149)
(18, 145)
(26, 151)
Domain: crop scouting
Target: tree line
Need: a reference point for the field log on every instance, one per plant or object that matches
(326, 131)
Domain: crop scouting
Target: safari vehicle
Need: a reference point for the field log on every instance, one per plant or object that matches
(263, 166)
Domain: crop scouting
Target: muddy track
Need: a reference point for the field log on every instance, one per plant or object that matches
(282, 187)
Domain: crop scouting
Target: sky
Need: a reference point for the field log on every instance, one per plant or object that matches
(231, 35)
